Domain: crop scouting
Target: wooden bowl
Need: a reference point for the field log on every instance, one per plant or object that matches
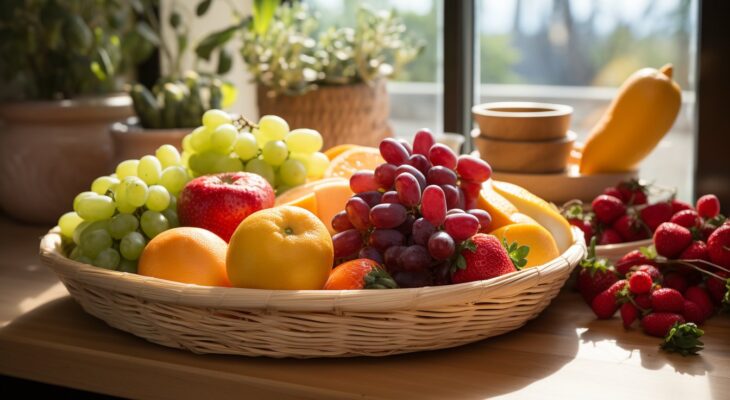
(548, 156)
(522, 120)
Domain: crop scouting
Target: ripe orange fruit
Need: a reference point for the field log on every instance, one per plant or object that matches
(335, 151)
(187, 255)
(353, 160)
(283, 247)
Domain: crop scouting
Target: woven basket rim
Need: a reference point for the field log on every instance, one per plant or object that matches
(160, 290)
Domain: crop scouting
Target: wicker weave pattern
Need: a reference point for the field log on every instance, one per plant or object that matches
(306, 324)
(356, 114)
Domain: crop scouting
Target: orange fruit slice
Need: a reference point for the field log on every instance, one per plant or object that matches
(302, 190)
(335, 151)
(307, 202)
(353, 160)
(541, 243)
(499, 208)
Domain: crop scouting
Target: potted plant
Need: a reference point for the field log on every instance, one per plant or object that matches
(175, 104)
(332, 79)
(63, 65)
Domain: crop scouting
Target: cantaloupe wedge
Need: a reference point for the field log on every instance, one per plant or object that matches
(497, 206)
(538, 239)
(538, 209)
(323, 198)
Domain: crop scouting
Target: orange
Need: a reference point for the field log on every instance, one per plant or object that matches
(301, 190)
(353, 160)
(324, 199)
(334, 151)
(187, 255)
(542, 245)
(283, 247)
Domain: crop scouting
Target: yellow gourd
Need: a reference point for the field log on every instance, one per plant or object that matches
(641, 114)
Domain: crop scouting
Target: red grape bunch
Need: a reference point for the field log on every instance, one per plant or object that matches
(408, 213)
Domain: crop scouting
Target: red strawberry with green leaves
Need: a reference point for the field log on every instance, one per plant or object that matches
(595, 276)
(630, 228)
(633, 192)
(718, 246)
(667, 300)
(653, 272)
(482, 257)
(660, 323)
(683, 338)
(634, 258)
(629, 314)
(687, 218)
(640, 282)
(697, 250)
(605, 304)
(607, 208)
(708, 206)
(613, 191)
(656, 214)
(671, 239)
(609, 236)
(575, 215)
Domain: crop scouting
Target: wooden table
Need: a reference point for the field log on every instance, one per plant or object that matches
(564, 353)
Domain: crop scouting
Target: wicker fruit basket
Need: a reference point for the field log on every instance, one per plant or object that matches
(310, 323)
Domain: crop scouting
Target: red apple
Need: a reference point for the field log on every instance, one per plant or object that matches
(220, 202)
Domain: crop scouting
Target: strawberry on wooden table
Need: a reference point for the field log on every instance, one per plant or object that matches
(605, 304)
(660, 323)
(667, 300)
(595, 276)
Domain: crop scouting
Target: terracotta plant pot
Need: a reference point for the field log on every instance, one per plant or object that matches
(133, 141)
(52, 150)
(356, 114)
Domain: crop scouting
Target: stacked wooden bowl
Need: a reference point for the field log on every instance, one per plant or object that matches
(524, 137)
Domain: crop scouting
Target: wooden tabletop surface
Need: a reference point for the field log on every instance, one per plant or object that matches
(564, 353)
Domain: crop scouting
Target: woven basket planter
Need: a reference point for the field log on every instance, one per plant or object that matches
(356, 114)
(310, 323)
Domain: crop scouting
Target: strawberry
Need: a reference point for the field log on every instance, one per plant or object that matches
(595, 275)
(483, 258)
(630, 228)
(643, 301)
(604, 305)
(629, 313)
(640, 282)
(676, 281)
(631, 259)
(632, 192)
(653, 272)
(718, 246)
(608, 208)
(573, 212)
(708, 206)
(609, 236)
(656, 214)
(683, 338)
(667, 300)
(679, 205)
(687, 218)
(695, 251)
(671, 239)
(585, 226)
(699, 296)
(693, 313)
(613, 191)
(717, 287)
(659, 323)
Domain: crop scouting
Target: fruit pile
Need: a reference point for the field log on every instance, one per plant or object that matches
(408, 215)
(672, 286)
(623, 214)
(285, 158)
(112, 223)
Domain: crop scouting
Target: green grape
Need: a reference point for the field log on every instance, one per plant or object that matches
(80, 196)
(127, 168)
(107, 259)
(245, 146)
(132, 245)
(96, 208)
(214, 118)
(292, 173)
(185, 158)
(201, 139)
(173, 203)
(304, 141)
(136, 191)
(94, 241)
(83, 259)
(260, 167)
(121, 224)
(104, 183)
(271, 128)
(174, 179)
(223, 137)
(172, 218)
(128, 266)
(123, 205)
(153, 223)
(68, 223)
(168, 155)
(149, 169)
(228, 164)
(187, 144)
(75, 253)
(79, 230)
(158, 198)
(275, 153)
(318, 163)
(205, 163)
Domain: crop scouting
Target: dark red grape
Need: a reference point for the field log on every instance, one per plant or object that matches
(441, 246)
(413, 171)
(421, 231)
(453, 199)
(419, 162)
(471, 193)
(440, 154)
(415, 258)
(371, 253)
(407, 226)
(363, 181)
(473, 169)
(413, 279)
(461, 226)
(388, 215)
(423, 141)
(385, 175)
(440, 175)
(358, 211)
(441, 273)
(409, 191)
(393, 152)
(484, 219)
(390, 197)
(382, 239)
(372, 197)
(341, 222)
(455, 211)
(406, 146)
(392, 256)
(346, 243)
(433, 205)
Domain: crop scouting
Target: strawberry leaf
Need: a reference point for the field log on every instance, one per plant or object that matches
(517, 254)
(649, 252)
(460, 262)
(684, 339)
